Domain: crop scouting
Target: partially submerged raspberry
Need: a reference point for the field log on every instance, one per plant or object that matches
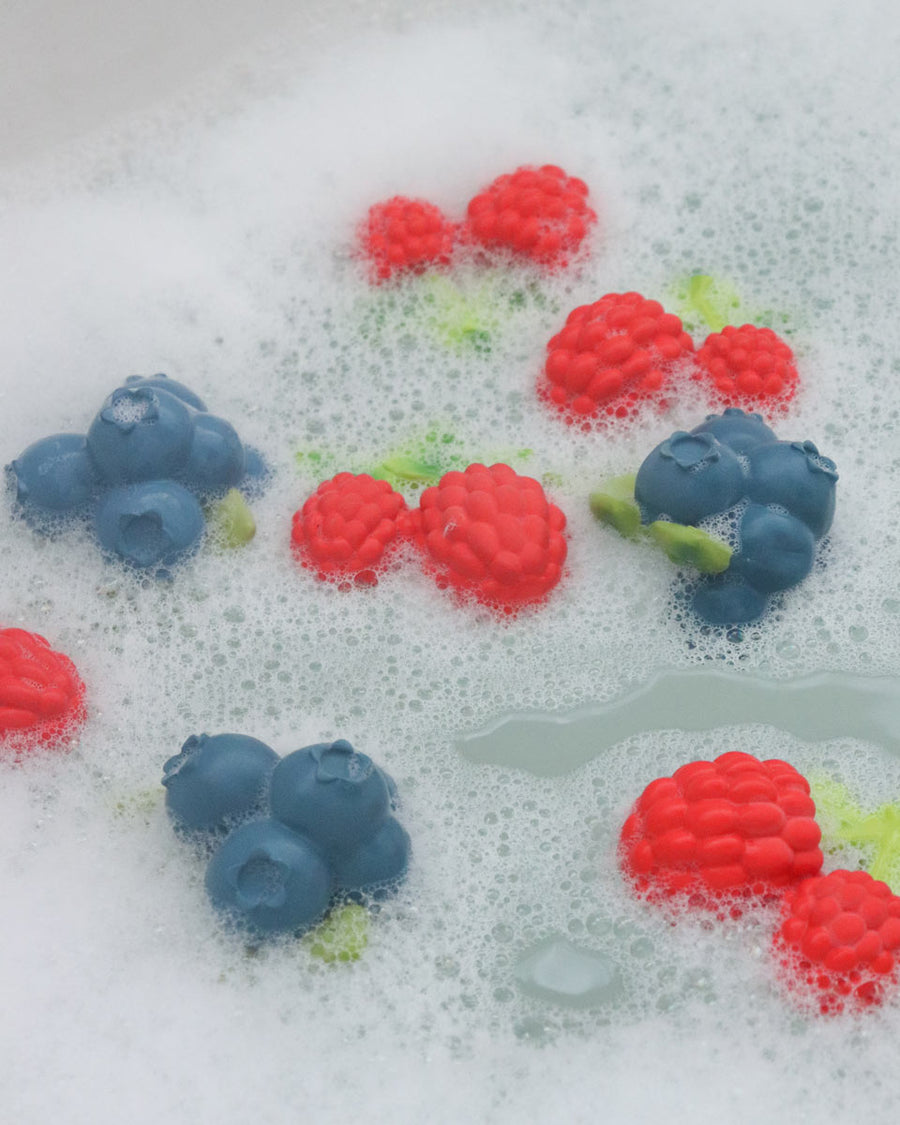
(493, 534)
(405, 235)
(611, 356)
(346, 526)
(839, 943)
(734, 828)
(748, 367)
(536, 213)
(41, 693)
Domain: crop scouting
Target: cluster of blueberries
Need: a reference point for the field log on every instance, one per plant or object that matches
(152, 454)
(290, 835)
(774, 500)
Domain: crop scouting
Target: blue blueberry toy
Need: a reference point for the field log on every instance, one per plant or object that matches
(216, 460)
(54, 479)
(140, 433)
(332, 793)
(301, 831)
(217, 781)
(744, 508)
(151, 456)
(687, 477)
(153, 524)
(269, 879)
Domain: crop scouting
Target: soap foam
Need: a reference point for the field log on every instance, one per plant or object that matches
(213, 240)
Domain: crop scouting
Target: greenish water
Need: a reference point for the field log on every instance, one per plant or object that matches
(811, 708)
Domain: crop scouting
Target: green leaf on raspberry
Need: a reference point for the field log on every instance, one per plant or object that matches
(400, 469)
(705, 302)
(876, 833)
(702, 300)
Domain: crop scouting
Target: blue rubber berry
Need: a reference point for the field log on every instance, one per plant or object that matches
(269, 879)
(330, 793)
(728, 603)
(140, 433)
(794, 475)
(777, 550)
(378, 864)
(688, 477)
(216, 460)
(737, 429)
(217, 780)
(151, 524)
(163, 382)
(256, 472)
(53, 478)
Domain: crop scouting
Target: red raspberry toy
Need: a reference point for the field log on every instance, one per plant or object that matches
(344, 529)
(839, 943)
(611, 356)
(491, 533)
(403, 235)
(734, 827)
(537, 213)
(748, 367)
(41, 693)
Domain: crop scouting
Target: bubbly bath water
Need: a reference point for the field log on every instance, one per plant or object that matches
(204, 228)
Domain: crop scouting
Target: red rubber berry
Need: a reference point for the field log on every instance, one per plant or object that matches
(748, 367)
(839, 943)
(611, 356)
(491, 534)
(346, 527)
(734, 828)
(41, 693)
(405, 235)
(536, 213)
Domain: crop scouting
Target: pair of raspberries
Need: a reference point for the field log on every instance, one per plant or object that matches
(485, 532)
(611, 355)
(619, 352)
(720, 835)
(539, 214)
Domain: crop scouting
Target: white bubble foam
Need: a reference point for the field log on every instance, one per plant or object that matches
(211, 237)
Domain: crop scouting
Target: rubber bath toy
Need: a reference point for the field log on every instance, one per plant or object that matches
(538, 215)
(726, 834)
(151, 457)
(491, 534)
(405, 235)
(838, 946)
(722, 832)
(345, 529)
(611, 357)
(730, 482)
(747, 366)
(293, 835)
(485, 532)
(541, 214)
(41, 693)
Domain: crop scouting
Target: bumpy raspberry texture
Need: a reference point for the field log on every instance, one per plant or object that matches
(536, 213)
(734, 828)
(491, 534)
(345, 528)
(41, 693)
(611, 356)
(405, 235)
(838, 947)
(748, 367)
